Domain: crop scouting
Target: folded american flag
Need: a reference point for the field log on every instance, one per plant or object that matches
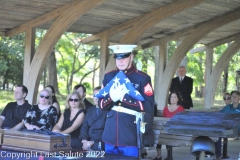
(122, 79)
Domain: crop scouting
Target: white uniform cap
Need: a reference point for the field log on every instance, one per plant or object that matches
(122, 51)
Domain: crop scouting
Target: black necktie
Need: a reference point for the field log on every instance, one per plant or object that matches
(181, 80)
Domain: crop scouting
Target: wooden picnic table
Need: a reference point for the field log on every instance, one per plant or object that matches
(211, 124)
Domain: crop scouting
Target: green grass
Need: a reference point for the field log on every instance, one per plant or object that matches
(7, 96)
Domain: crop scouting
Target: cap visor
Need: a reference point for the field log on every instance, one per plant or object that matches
(121, 55)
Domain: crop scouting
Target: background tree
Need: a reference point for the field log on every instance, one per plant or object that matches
(11, 60)
(73, 57)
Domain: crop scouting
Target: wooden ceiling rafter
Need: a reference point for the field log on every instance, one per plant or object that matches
(152, 18)
(39, 20)
(180, 5)
(184, 33)
(111, 31)
(224, 40)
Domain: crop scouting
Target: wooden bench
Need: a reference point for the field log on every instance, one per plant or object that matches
(164, 138)
(213, 109)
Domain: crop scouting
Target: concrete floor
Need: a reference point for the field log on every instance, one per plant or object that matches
(183, 153)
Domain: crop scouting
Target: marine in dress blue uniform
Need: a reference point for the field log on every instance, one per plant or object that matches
(120, 133)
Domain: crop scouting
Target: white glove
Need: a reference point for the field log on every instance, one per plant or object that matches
(117, 91)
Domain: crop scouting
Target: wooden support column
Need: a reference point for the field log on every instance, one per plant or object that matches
(29, 52)
(104, 56)
(217, 72)
(111, 64)
(160, 64)
(62, 23)
(208, 71)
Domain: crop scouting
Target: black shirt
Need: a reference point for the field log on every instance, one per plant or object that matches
(14, 114)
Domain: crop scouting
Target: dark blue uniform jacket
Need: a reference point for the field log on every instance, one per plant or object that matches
(120, 129)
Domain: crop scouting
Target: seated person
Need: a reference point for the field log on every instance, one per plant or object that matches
(55, 103)
(233, 107)
(72, 118)
(12, 115)
(41, 115)
(174, 101)
(81, 89)
(226, 99)
(93, 125)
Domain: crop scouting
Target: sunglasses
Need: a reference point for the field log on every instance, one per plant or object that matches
(226, 98)
(75, 100)
(42, 96)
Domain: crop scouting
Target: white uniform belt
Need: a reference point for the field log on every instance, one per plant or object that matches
(132, 112)
(125, 110)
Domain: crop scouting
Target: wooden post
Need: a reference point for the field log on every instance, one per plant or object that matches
(104, 57)
(160, 64)
(208, 71)
(28, 56)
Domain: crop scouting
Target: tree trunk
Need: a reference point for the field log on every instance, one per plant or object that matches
(144, 63)
(5, 77)
(94, 74)
(52, 72)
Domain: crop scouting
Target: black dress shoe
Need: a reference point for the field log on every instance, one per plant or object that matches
(156, 158)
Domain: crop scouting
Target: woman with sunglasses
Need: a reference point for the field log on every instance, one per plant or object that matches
(227, 98)
(41, 115)
(54, 103)
(72, 118)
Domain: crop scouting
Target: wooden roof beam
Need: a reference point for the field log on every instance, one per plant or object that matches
(154, 17)
(167, 38)
(177, 35)
(39, 20)
(224, 40)
(159, 13)
(2, 34)
(112, 30)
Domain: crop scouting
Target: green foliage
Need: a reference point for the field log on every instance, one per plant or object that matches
(172, 46)
(11, 59)
(75, 59)
(196, 67)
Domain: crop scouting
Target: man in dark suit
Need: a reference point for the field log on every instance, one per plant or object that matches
(184, 85)
(82, 91)
(93, 125)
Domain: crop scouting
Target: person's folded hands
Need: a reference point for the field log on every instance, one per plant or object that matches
(117, 91)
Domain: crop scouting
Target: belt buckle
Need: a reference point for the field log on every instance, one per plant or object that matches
(119, 109)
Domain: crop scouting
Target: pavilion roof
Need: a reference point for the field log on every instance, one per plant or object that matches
(154, 20)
